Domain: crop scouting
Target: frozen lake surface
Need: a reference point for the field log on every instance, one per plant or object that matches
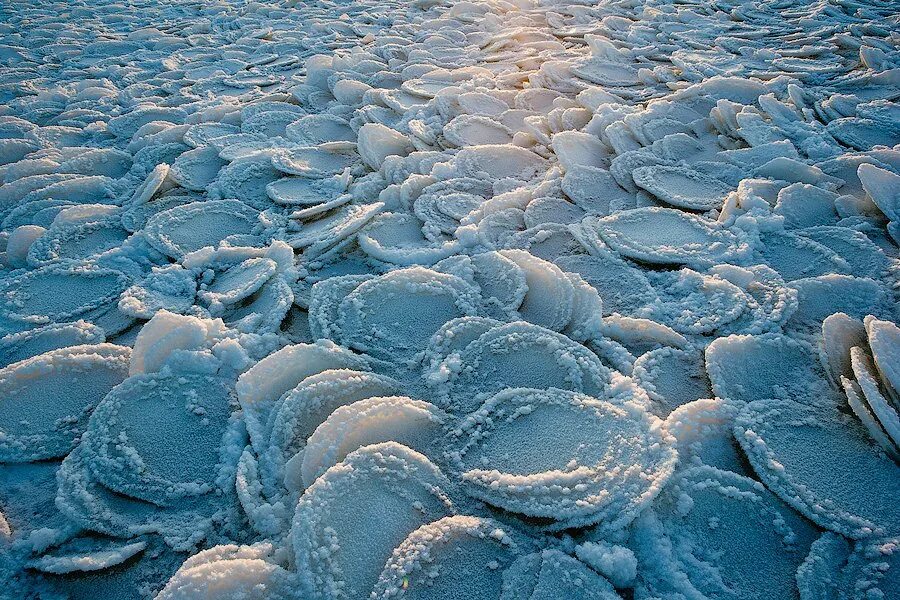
(450, 300)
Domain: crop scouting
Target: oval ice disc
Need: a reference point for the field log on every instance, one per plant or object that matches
(47, 399)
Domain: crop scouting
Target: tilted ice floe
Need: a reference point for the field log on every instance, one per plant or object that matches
(449, 300)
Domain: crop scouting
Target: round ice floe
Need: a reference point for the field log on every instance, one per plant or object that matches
(320, 235)
(425, 86)
(453, 558)
(884, 341)
(495, 161)
(823, 463)
(313, 162)
(171, 288)
(247, 149)
(549, 241)
(593, 462)
(552, 574)
(703, 435)
(239, 281)
(393, 316)
(744, 368)
(232, 573)
(550, 296)
(769, 302)
(189, 227)
(606, 73)
(639, 335)
(872, 570)
(151, 185)
(695, 545)
(47, 399)
(804, 205)
(669, 236)
(307, 406)
(545, 211)
(19, 346)
(819, 297)
(158, 437)
(458, 205)
(325, 298)
(453, 337)
(682, 187)
(672, 377)
(264, 310)
(595, 190)
(413, 423)
(473, 130)
(310, 213)
(135, 217)
(519, 355)
(691, 302)
(246, 179)
(260, 389)
(796, 257)
(196, 169)
(622, 287)
(427, 207)
(270, 123)
(577, 149)
(862, 134)
(313, 130)
(59, 293)
(840, 333)
(125, 126)
(397, 238)
(77, 241)
(501, 281)
(864, 257)
(304, 191)
(200, 134)
(333, 536)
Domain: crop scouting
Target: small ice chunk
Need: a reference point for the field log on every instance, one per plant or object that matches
(616, 563)
(377, 142)
(232, 573)
(19, 242)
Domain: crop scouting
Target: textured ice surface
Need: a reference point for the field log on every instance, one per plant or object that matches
(538, 299)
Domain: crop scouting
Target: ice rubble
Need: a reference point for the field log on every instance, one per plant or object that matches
(510, 299)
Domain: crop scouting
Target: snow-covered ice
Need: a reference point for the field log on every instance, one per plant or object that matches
(449, 299)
